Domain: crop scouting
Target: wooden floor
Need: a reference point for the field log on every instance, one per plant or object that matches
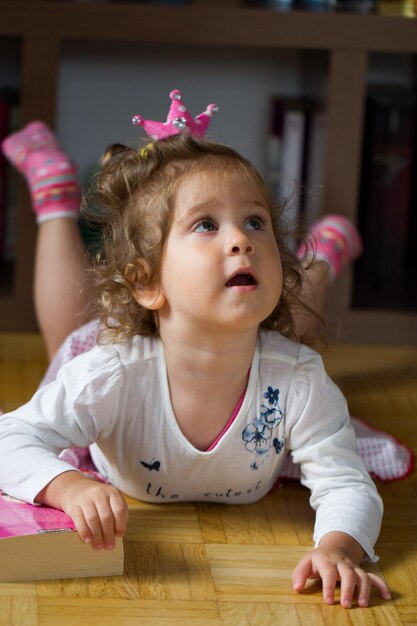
(218, 565)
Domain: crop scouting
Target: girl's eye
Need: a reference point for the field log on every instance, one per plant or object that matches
(205, 226)
(255, 223)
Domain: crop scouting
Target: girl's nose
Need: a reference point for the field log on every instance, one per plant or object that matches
(240, 244)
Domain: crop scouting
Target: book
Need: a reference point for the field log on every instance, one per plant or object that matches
(314, 165)
(274, 148)
(291, 5)
(285, 158)
(295, 157)
(384, 276)
(12, 176)
(356, 6)
(278, 5)
(39, 542)
(315, 5)
(9, 122)
(4, 129)
(402, 8)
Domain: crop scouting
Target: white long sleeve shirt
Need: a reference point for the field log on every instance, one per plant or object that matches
(115, 399)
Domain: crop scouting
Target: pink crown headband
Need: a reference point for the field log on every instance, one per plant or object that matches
(178, 120)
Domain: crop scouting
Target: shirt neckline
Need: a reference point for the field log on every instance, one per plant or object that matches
(230, 425)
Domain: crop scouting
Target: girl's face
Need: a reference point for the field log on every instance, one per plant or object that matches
(221, 268)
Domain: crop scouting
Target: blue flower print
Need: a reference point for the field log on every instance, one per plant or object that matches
(259, 434)
(272, 395)
(256, 437)
(278, 444)
(271, 417)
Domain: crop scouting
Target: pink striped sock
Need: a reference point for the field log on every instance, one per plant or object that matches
(333, 239)
(51, 176)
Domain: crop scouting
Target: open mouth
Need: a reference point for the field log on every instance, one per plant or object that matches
(240, 280)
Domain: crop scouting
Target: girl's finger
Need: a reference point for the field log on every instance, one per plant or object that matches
(380, 584)
(329, 576)
(93, 522)
(106, 519)
(302, 571)
(120, 512)
(81, 526)
(364, 586)
(348, 583)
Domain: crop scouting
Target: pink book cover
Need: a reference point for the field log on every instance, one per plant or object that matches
(4, 126)
(18, 518)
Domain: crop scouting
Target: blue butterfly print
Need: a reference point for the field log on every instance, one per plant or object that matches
(153, 465)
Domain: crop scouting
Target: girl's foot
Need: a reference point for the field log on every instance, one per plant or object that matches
(333, 239)
(51, 176)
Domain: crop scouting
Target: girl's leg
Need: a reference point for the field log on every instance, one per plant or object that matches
(61, 288)
(61, 284)
(313, 294)
(332, 243)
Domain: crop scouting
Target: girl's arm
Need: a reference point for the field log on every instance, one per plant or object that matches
(99, 511)
(77, 409)
(337, 559)
(348, 507)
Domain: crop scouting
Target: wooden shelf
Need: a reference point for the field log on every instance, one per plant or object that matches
(207, 25)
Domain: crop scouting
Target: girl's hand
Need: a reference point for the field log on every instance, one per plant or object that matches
(333, 564)
(99, 511)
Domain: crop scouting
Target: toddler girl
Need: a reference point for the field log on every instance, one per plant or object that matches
(196, 389)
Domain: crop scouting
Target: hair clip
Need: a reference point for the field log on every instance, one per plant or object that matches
(178, 120)
(144, 152)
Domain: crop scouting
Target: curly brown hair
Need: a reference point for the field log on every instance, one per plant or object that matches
(135, 190)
